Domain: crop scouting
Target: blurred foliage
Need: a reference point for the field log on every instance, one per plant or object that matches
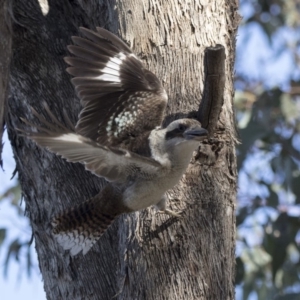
(16, 249)
(13, 194)
(268, 215)
(273, 14)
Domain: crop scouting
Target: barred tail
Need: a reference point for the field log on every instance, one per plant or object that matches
(79, 228)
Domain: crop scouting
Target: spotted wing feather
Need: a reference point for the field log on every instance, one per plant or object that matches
(114, 164)
(121, 99)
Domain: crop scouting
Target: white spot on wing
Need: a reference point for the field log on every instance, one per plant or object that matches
(69, 137)
(111, 72)
(108, 77)
(111, 65)
(44, 6)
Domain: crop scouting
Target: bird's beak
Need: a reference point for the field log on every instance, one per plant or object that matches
(197, 134)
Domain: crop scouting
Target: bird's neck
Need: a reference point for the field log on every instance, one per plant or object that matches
(175, 156)
(181, 154)
(157, 147)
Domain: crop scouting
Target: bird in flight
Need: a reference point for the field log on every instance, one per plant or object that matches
(118, 137)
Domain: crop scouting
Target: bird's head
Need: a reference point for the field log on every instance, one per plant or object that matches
(179, 139)
(184, 131)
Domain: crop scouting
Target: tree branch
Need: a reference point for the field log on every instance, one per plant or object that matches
(213, 95)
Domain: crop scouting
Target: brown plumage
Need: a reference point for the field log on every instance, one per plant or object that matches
(80, 227)
(117, 137)
(121, 99)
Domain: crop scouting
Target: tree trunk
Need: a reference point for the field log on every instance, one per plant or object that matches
(143, 255)
(5, 56)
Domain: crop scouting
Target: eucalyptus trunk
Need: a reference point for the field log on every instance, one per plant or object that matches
(5, 56)
(143, 255)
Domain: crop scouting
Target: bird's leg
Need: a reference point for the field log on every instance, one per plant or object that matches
(161, 206)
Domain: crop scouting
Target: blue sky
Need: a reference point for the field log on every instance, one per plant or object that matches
(16, 285)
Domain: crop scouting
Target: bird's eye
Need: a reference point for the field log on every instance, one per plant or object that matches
(182, 127)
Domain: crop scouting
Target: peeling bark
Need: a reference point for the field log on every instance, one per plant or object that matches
(142, 256)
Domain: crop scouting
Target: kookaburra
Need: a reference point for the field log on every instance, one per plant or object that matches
(117, 137)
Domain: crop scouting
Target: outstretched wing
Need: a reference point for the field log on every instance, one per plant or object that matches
(115, 165)
(121, 99)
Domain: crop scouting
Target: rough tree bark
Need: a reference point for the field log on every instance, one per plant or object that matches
(5, 56)
(142, 256)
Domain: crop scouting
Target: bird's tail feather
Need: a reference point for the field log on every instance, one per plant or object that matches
(79, 228)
